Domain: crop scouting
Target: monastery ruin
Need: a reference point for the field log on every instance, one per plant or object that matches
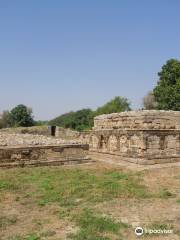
(141, 137)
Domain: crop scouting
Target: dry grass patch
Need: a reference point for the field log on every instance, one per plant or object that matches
(96, 202)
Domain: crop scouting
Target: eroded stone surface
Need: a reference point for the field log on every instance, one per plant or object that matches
(138, 136)
(43, 155)
(38, 150)
(8, 139)
(147, 119)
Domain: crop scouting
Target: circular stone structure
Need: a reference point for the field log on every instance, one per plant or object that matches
(144, 137)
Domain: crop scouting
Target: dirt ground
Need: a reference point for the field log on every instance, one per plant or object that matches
(24, 216)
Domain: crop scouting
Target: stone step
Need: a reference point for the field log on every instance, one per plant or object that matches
(116, 159)
(45, 163)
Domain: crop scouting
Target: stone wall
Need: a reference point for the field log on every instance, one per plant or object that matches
(145, 137)
(147, 119)
(63, 133)
(16, 139)
(43, 155)
(84, 137)
(66, 133)
(37, 150)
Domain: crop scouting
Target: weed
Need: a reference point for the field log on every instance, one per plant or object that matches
(95, 227)
(164, 193)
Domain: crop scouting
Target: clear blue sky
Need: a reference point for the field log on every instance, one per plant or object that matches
(62, 55)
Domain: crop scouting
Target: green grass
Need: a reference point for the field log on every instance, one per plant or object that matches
(7, 185)
(71, 187)
(91, 227)
(96, 227)
(33, 236)
(178, 201)
(164, 193)
(75, 191)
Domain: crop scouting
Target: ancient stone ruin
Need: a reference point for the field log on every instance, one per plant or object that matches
(37, 150)
(143, 137)
(43, 155)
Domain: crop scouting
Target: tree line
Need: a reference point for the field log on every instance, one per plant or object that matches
(83, 119)
(164, 96)
(21, 116)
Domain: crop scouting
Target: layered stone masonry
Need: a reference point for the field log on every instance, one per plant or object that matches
(38, 150)
(147, 119)
(43, 155)
(17, 139)
(144, 137)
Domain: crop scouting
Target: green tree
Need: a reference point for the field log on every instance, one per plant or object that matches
(40, 123)
(21, 116)
(83, 119)
(118, 104)
(64, 120)
(79, 120)
(5, 119)
(167, 91)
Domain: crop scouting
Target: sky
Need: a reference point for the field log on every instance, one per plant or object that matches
(63, 55)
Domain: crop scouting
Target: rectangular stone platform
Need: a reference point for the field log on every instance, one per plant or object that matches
(44, 155)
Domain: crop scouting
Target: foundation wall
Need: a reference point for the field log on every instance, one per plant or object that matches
(43, 155)
(142, 146)
(144, 137)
